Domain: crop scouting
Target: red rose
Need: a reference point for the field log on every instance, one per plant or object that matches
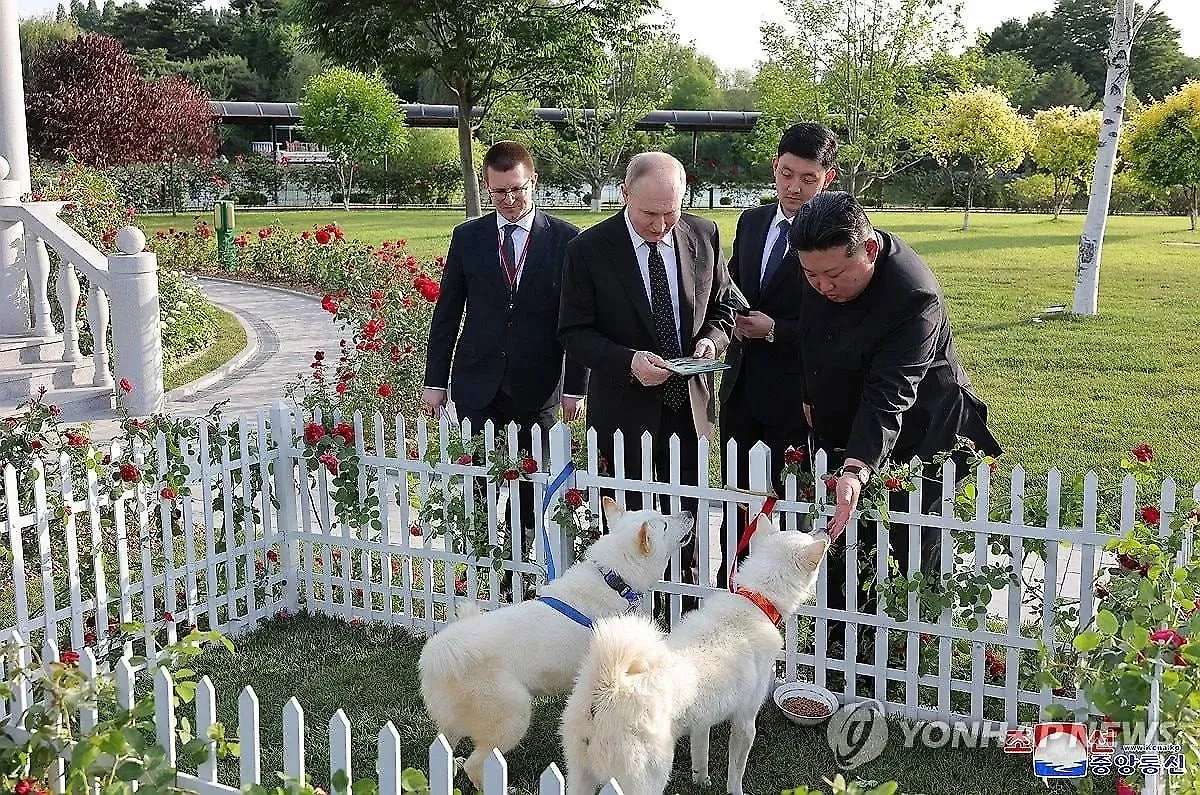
(168, 493)
(319, 356)
(894, 484)
(305, 235)
(340, 388)
(574, 497)
(323, 237)
(68, 657)
(357, 621)
(373, 327)
(129, 473)
(529, 465)
(1150, 515)
(329, 304)
(385, 390)
(126, 387)
(89, 638)
(36, 444)
(511, 475)
(376, 299)
(460, 586)
(414, 529)
(26, 786)
(330, 461)
(313, 433)
(55, 411)
(465, 459)
(346, 431)
(273, 555)
(794, 455)
(170, 619)
(283, 615)
(831, 483)
(1143, 453)
(76, 440)
(1101, 590)
(1167, 637)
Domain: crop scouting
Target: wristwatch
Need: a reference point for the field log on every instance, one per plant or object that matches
(771, 334)
(861, 473)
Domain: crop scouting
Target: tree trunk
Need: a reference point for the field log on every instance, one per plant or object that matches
(1087, 263)
(466, 155)
(967, 210)
(597, 190)
(1195, 202)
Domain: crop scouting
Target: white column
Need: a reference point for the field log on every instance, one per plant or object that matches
(137, 338)
(14, 146)
(14, 306)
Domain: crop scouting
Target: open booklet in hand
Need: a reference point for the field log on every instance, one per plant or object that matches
(686, 366)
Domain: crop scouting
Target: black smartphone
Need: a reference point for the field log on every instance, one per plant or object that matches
(744, 312)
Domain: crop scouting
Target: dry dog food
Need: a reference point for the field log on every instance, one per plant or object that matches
(806, 707)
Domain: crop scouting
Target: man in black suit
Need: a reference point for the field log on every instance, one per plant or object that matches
(760, 390)
(644, 285)
(505, 270)
(882, 380)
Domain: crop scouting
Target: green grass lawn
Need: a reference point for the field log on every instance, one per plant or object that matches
(1071, 393)
(229, 341)
(370, 673)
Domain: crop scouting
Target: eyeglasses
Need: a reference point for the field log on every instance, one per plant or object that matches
(509, 193)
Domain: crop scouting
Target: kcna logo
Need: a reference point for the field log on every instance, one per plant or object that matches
(1070, 750)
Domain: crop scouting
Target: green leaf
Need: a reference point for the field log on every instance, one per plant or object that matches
(1086, 642)
(1106, 622)
(364, 786)
(339, 782)
(129, 771)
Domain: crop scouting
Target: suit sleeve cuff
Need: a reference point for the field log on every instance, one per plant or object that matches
(438, 388)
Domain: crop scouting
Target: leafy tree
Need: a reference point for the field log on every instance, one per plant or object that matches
(1064, 146)
(1061, 88)
(356, 117)
(859, 67)
(693, 79)
(479, 49)
(1165, 144)
(1076, 31)
(85, 100)
(1012, 76)
(1035, 192)
(226, 77)
(981, 129)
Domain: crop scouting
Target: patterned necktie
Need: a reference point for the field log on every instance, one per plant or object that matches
(510, 255)
(777, 252)
(675, 393)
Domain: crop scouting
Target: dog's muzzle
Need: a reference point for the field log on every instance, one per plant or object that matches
(689, 521)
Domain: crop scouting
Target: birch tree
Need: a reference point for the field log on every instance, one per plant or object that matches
(1126, 22)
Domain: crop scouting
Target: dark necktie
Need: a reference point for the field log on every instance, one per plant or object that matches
(777, 252)
(510, 255)
(664, 325)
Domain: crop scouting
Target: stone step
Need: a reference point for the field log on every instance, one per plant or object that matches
(19, 382)
(77, 403)
(16, 350)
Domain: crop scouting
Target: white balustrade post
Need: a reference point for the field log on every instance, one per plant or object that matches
(68, 291)
(137, 337)
(14, 309)
(37, 265)
(97, 315)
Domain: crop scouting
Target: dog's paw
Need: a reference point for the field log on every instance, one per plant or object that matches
(701, 778)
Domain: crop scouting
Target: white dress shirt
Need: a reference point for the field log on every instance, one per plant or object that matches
(772, 236)
(666, 247)
(520, 238)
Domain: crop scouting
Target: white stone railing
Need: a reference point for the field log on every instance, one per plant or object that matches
(127, 279)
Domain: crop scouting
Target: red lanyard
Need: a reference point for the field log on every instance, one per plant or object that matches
(516, 274)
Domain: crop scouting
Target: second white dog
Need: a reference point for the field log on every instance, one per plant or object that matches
(638, 690)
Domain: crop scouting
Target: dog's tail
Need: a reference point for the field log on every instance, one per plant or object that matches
(619, 716)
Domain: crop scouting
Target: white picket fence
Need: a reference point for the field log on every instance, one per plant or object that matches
(228, 555)
(294, 741)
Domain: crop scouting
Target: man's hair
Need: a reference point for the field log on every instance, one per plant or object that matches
(646, 162)
(505, 156)
(810, 141)
(829, 220)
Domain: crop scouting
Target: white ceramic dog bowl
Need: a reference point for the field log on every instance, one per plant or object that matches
(809, 691)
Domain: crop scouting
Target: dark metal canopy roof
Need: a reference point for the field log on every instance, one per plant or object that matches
(280, 113)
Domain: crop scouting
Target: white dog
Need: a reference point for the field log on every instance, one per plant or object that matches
(638, 691)
(480, 674)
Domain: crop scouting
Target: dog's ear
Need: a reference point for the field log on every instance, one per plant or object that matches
(612, 511)
(765, 524)
(644, 543)
(810, 554)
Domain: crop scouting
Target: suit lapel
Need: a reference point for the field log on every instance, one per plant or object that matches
(630, 275)
(685, 256)
(489, 254)
(752, 265)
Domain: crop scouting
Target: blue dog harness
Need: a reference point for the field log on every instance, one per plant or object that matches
(612, 580)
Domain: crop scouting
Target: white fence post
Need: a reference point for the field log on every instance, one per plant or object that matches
(137, 339)
(14, 309)
(251, 749)
(561, 545)
(286, 525)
